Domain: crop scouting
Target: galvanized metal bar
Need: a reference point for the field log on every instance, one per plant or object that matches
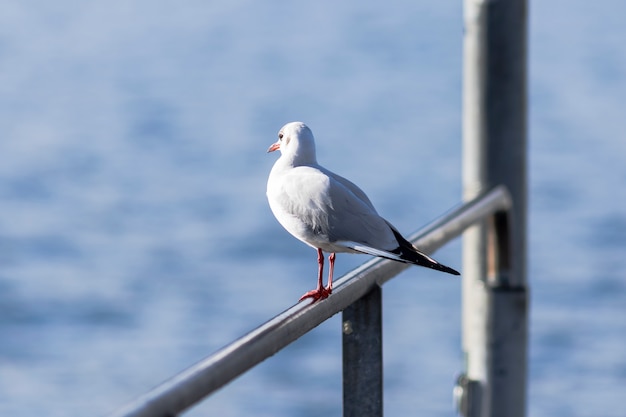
(362, 331)
(190, 386)
(495, 316)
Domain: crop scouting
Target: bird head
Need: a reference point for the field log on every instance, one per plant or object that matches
(296, 143)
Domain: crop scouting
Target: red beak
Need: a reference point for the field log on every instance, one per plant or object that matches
(274, 147)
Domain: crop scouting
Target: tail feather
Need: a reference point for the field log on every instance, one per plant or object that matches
(409, 253)
(413, 255)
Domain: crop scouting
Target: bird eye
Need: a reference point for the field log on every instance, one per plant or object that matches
(280, 136)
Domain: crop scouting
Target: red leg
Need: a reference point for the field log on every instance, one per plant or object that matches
(320, 269)
(320, 292)
(331, 269)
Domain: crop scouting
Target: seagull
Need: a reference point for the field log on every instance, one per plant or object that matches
(328, 212)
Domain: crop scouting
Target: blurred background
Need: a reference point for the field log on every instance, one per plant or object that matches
(135, 237)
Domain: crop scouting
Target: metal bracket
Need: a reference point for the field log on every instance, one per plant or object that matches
(466, 395)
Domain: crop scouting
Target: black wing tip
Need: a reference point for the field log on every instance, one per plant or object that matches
(443, 268)
(414, 256)
(452, 271)
(417, 258)
(409, 253)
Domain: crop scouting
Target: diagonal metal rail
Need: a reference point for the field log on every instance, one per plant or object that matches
(200, 380)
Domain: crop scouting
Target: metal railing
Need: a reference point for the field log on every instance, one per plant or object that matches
(357, 294)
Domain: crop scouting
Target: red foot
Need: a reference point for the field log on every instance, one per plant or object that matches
(317, 294)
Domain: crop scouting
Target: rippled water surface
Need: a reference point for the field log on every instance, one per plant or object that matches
(135, 237)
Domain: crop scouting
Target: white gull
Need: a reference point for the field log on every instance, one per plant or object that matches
(328, 212)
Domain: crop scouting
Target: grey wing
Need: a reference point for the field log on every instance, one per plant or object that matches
(354, 220)
(350, 186)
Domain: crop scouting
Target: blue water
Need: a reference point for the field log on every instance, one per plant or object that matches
(135, 237)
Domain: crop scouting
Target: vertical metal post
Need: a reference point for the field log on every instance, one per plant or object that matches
(495, 313)
(363, 356)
